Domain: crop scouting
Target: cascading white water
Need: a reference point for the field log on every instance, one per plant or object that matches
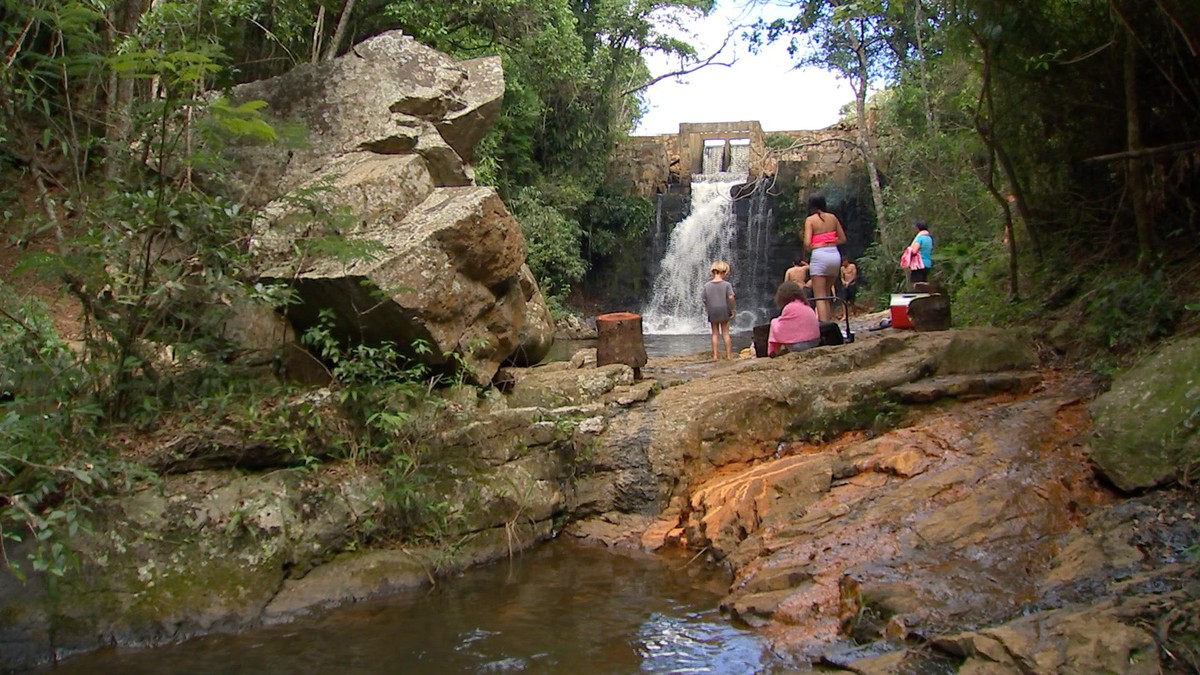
(714, 157)
(739, 158)
(703, 237)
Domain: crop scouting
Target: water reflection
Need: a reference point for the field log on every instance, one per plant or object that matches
(560, 608)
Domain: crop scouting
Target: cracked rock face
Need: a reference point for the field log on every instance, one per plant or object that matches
(411, 249)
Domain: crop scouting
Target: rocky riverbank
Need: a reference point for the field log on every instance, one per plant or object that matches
(911, 496)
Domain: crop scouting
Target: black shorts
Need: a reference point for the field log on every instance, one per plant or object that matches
(917, 276)
(848, 293)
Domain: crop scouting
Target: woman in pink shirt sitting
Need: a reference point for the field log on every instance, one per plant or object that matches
(796, 328)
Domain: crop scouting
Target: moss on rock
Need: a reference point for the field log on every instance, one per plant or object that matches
(1146, 425)
(987, 350)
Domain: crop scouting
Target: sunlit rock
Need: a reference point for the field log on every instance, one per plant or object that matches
(375, 218)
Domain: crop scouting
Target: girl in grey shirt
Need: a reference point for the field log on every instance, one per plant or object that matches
(718, 300)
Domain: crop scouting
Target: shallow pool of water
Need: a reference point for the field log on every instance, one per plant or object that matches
(657, 345)
(561, 608)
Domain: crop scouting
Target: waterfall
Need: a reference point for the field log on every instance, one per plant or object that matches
(719, 226)
(713, 160)
(708, 234)
(739, 158)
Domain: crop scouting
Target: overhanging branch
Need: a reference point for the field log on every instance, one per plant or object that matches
(1146, 152)
(704, 63)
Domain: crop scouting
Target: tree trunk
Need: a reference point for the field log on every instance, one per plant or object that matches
(1136, 166)
(619, 340)
(340, 33)
(1014, 277)
(1018, 193)
(318, 30)
(867, 142)
(986, 129)
(124, 21)
(930, 127)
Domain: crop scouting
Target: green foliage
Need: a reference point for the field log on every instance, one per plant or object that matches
(385, 405)
(390, 399)
(552, 240)
(980, 297)
(414, 511)
(154, 263)
(42, 123)
(1126, 313)
(31, 353)
(790, 209)
(777, 141)
(154, 272)
(362, 375)
(882, 273)
(298, 424)
(613, 221)
(53, 459)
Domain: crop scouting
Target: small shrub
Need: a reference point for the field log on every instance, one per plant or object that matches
(52, 460)
(1125, 312)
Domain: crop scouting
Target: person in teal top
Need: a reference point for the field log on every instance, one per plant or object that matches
(922, 245)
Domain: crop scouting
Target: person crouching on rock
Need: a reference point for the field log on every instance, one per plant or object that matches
(798, 273)
(796, 328)
(719, 304)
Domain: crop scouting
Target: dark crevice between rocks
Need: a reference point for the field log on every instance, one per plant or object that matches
(392, 145)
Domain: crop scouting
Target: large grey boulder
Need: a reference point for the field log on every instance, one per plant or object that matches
(482, 97)
(538, 334)
(425, 255)
(1147, 427)
(447, 275)
(389, 95)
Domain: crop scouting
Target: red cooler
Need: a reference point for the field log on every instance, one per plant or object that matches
(900, 308)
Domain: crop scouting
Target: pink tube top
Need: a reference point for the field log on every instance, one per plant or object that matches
(824, 238)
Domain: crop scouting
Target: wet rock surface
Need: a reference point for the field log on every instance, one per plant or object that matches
(974, 536)
(946, 523)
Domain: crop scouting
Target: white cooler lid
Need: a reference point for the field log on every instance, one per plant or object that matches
(902, 299)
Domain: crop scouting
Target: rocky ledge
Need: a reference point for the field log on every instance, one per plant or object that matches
(910, 500)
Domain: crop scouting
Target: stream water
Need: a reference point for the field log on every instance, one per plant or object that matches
(562, 608)
(657, 345)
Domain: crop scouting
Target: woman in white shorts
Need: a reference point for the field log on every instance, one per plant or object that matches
(823, 234)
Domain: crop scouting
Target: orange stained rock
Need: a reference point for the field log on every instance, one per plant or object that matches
(950, 520)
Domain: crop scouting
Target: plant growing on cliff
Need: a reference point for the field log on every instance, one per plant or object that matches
(154, 262)
(366, 377)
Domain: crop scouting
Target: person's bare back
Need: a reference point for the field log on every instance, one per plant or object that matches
(798, 274)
